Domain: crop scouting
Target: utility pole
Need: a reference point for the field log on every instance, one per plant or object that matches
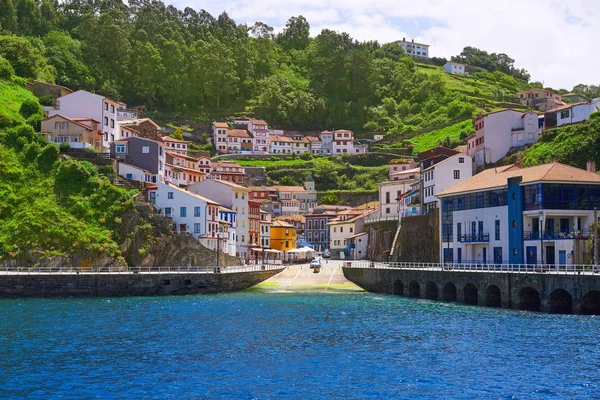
(217, 270)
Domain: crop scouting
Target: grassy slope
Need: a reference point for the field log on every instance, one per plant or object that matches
(11, 98)
(431, 139)
(478, 89)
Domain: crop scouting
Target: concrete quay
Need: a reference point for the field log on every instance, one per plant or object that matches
(567, 293)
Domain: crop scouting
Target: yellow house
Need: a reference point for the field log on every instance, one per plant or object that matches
(80, 133)
(283, 236)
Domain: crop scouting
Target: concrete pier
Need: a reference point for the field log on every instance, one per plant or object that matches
(558, 293)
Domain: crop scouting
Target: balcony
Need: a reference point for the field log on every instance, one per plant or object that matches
(583, 234)
(475, 238)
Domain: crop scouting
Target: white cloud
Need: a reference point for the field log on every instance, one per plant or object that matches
(554, 40)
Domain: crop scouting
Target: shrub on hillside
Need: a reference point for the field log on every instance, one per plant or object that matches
(48, 157)
(306, 156)
(71, 177)
(6, 70)
(35, 121)
(64, 147)
(30, 107)
(46, 100)
(18, 80)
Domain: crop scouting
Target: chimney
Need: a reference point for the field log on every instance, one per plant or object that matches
(591, 166)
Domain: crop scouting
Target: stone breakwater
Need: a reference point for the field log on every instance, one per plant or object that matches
(128, 284)
(573, 293)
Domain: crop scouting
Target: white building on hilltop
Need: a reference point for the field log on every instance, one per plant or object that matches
(414, 49)
(452, 67)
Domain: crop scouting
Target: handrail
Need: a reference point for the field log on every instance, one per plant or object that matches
(136, 270)
(553, 269)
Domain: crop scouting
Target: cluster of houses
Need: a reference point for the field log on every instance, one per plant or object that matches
(487, 214)
(252, 136)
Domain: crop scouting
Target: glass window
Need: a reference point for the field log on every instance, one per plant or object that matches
(456, 174)
(168, 211)
(121, 148)
(169, 195)
(497, 230)
(145, 149)
(196, 228)
(182, 211)
(196, 211)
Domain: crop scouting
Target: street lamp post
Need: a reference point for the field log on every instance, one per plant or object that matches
(219, 236)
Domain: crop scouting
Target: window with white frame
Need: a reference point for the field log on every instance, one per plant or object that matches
(145, 149)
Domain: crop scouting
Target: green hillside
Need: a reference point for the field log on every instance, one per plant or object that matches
(49, 204)
(573, 144)
(11, 98)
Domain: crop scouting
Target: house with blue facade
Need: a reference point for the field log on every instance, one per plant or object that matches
(228, 222)
(536, 215)
(316, 229)
(326, 142)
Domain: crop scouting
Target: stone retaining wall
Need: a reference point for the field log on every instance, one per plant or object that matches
(127, 284)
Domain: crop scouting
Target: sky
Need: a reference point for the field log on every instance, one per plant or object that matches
(556, 41)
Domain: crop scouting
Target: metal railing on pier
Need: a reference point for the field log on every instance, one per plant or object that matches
(136, 270)
(557, 269)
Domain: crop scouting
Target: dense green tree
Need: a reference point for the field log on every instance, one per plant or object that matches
(8, 16)
(296, 34)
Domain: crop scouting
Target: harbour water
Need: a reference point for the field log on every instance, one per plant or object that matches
(281, 345)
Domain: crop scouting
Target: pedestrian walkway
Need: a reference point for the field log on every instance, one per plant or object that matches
(303, 279)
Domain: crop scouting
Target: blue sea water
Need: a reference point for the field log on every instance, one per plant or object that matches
(291, 346)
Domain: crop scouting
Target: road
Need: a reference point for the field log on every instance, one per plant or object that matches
(301, 278)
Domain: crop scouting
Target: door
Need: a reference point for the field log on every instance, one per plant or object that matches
(152, 197)
(448, 256)
(497, 255)
(459, 255)
(549, 234)
(535, 228)
(550, 258)
(562, 257)
(531, 254)
(564, 227)
(485, 255)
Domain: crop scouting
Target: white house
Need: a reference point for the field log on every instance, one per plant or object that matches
(389, 192)
(378, 138)
(85, 104)
(234, 197)
(497, 132)
(219, 136)
(259, 130)
(343, 142)
(346, 225)
(175, 145)
(281, 144)
(571, 114)
(454, 68)
(265, 229)
(315, 145)
(414, 49)
(443, 175)
(536, 215)
(190, 213)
